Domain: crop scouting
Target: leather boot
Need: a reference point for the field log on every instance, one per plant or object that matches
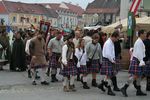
(124, 90)
(110, 91)
(135, 85)
(114, 82)
(148, 84)
(101, 86)
(139, 92)
(85, 86)
(94, 84)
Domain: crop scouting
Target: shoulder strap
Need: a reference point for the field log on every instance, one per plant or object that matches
(94, 52)
(81, 57)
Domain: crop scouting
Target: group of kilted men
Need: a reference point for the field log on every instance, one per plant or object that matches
(81, 55)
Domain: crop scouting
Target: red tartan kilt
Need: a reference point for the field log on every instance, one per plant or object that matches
(134, 67)
(118, 63)
(83, 69)
(95, 67)
(108, 68)
(70, 69)
(53, 61)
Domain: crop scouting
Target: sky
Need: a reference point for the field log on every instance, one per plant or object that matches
(82, 3)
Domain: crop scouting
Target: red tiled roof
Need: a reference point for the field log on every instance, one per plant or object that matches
(19, 7)
(56, 6)
(101, 10)
(103, 6)
(2, 9)
(75, 8)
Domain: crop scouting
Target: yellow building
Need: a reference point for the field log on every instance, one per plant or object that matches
(22, 15)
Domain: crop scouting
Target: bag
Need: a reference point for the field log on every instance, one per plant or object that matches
(89, 63)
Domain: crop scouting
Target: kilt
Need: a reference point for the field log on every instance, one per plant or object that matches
(134, 67)
(70, 69)
(83, 69)
(118, 63)
(108, 68)
(147, 68)
(95, 67)
(53, 61)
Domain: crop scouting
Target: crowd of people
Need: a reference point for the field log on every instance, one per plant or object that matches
(77, 55)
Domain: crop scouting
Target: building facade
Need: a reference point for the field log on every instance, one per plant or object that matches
(102, 12)
(69, 15)
(23, 15)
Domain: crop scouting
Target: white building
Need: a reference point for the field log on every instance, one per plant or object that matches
(68, 15)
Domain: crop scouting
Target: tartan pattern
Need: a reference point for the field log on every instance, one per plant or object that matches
(118, 63)
(70, 69)
(108, 68)
(147, 68)
(53, 61)
(83, 69)
(95, 67)
(134, 68)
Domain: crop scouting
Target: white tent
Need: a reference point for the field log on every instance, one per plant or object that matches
(140, 22)
(93, 27)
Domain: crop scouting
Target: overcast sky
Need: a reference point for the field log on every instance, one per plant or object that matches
(82, 3)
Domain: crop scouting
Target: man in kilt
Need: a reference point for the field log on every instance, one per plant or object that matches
(147, 60)
(38, 60)
(137, 65)
(55, 49)
(68, 70)
(108, 63)
(117, 63)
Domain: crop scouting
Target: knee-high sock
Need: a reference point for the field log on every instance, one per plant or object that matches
(84, 78)
(71, 80)
(33, 74)
(54, 71)
(65, 83)
(138, 81)
(42, 74)
(130, 80)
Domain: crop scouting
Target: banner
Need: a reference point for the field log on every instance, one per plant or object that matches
(131, 24)
(44, 27)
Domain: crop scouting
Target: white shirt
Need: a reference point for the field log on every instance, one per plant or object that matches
(75, 41)
(87, 39)
(109, 51)
(139, 50)
(78, 54)
(27, 47)
(64, 54)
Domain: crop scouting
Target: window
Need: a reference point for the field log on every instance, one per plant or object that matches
(35, 20)
(14, 19)
(27, 20)
(21, 19)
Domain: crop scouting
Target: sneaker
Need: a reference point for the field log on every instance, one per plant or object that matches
(44, 83)
(34, 83)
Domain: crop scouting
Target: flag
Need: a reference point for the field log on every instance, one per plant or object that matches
(134, 6)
